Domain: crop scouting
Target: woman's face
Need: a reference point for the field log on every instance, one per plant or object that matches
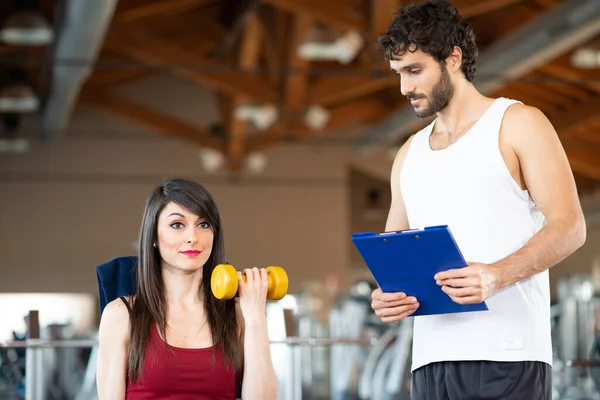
(184, 239)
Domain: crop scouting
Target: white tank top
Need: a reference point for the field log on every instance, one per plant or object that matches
(468, 187)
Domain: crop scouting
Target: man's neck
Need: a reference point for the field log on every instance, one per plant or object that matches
(466, 106)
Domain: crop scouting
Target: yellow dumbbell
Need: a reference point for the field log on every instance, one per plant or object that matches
(224, 282)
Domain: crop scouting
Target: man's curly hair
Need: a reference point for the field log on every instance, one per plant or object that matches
(435, 28)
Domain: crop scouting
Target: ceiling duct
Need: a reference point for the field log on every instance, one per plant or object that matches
(77, 46)
(564, 27)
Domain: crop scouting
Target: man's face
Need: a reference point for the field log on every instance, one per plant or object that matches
(424, 81)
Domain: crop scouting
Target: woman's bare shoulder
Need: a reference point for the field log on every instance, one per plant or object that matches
(114, 322)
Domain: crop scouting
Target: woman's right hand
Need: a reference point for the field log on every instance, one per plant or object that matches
(392, 307)
(253, 294)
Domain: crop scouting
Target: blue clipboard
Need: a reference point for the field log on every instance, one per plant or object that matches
(407, 261)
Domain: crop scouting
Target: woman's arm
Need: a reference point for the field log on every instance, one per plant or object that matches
(113, 337)
(259, 380)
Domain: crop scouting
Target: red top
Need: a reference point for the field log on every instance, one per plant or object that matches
(186, 374)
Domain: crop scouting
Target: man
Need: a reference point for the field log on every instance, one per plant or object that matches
(495, 172)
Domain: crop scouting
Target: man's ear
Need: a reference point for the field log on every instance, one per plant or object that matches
(454, 60)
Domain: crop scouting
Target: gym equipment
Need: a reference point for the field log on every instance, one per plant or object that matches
(575, 328)
(594, 362)
(224, 282)
(348, 319)
(386, 372)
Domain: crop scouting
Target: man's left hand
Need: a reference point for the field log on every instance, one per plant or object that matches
(469, 285)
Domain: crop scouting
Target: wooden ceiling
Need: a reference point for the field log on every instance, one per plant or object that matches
(245, 50)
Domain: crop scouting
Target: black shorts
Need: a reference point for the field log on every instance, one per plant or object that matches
(479, 380)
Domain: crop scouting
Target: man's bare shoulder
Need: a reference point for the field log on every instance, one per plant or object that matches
(523, 123)
(401, 154)
(521, 116)
(520, 110)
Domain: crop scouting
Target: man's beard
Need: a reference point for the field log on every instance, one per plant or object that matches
(440, 96)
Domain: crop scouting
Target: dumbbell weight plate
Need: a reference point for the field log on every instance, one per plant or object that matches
(278, 283)
(224, 281)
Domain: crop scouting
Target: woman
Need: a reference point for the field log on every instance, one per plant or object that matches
(173, 339)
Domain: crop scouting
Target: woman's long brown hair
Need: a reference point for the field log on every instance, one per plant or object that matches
(150, 301)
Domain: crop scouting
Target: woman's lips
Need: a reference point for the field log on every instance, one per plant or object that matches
(191, 253)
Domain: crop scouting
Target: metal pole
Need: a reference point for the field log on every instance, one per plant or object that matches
(48, 344)
(297, 372)
(292, 341)
(34, 361)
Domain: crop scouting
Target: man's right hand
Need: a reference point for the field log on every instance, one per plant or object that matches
(392, 307)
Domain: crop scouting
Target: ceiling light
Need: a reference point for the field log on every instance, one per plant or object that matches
(18, 98)
(586, 58)
(256, 162)
(27, 28)
(14, 146)
(316, 117)
(212, 160)
(261, 116)
(344, 49)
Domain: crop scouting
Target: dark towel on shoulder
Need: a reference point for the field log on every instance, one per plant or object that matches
(116, 278)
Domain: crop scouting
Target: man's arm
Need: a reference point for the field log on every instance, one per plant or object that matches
(397, 219)
(549, 180)
(393, 307)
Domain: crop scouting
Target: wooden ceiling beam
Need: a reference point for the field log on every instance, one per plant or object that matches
(475, 8)
(584, 161)
(547, 3)
(531, 99)
(470, 8)
(296, 82)
(250, 52)
(341, 14)
(148, 48)
(147, 117)
(541, 92)
(566, 89)
(110, 77)
(565, 122)
(583, 157)
(562, 70)
(365, 110)
(274, 24)
(589, 133)
(156, 8)
(382, 14)
(334, 90)
(353, 113)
